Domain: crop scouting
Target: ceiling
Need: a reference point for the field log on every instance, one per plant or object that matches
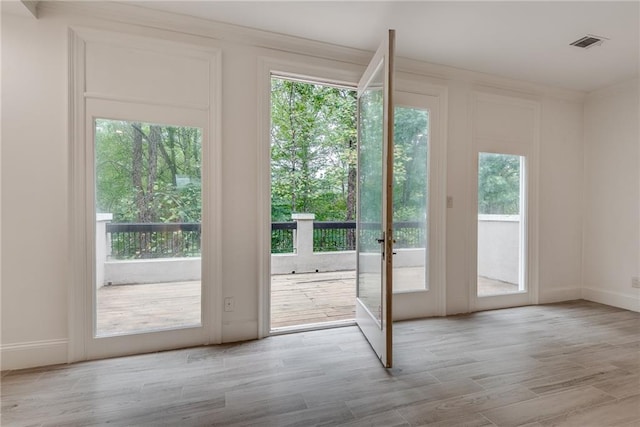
(521, 40)
(524, 40)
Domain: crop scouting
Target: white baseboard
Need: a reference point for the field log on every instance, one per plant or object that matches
(616, 299)
(34, 353)
(242, 330)
(559, 295)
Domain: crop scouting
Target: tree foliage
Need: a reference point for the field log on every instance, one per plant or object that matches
(152, 173)
(313, 150)
(498, 184)
(314, 154)
(147, 172)
(410, 165)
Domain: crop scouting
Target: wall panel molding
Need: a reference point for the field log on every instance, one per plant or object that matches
(30, 354)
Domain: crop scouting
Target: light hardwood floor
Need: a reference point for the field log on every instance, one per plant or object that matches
(569, 364)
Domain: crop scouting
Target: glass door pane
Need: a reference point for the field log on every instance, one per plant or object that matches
(500, 224)
(148, 227)
(375, 202)
(370, 192)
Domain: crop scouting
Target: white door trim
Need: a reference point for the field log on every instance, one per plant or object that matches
(343, 75)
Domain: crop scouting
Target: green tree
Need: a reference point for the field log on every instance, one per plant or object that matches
(314, 154)
(410, 168)
(148, 172)
(313, 150)
(498, 184)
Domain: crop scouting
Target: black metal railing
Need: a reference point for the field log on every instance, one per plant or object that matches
(154, 240)
(330, 236)
(168, 240)
(282, 237)
(409, 234)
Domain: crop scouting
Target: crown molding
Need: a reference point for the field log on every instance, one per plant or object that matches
(141, 16)
(189, 25)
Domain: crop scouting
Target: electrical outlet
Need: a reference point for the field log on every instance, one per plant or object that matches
(229, 304)
(635, 282)
(449, 202)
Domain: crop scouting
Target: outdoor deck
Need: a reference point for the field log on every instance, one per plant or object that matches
(296, 299)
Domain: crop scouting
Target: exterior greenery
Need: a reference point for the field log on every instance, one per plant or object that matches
(313, 151)
(147, 172)
(151, 173)
(498, 184)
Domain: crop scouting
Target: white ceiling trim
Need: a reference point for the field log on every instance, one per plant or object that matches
(223, 32)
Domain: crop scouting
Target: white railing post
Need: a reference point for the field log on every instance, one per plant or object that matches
(304, 234)
(102, 251)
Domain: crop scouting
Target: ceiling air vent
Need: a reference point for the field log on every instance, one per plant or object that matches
(588, 41)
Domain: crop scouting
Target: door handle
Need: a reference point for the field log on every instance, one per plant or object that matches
(382, 240)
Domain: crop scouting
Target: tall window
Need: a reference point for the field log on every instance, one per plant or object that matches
(148, 226)
(500, 224)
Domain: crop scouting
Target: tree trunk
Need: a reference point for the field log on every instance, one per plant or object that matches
(136, 172)
(154, 142)
(294, 182)
(138, 189)
(170, 159)
(352, 177)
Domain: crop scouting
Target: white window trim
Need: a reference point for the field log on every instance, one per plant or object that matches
(530, 197)
(81, 191)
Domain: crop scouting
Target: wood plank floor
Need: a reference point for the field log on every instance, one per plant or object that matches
(296, 299)
(569, 364)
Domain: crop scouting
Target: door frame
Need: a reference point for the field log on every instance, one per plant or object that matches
(343, 75)
(406, 304)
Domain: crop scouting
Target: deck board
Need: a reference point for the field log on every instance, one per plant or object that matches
(296, 299)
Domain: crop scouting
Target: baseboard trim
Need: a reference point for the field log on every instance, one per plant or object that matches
(616, 299)
(237, 331)
(559, 295)
(33, 354)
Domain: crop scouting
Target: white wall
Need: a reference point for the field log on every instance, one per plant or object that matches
(612, 196)
(35, 173)
(499, 247)
(560, 201)
(34, 191)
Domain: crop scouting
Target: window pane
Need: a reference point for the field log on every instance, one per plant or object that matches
(148, 226)
(500, 225)
(410, 198)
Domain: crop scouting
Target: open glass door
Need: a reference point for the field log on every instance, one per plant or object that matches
(375, 204)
